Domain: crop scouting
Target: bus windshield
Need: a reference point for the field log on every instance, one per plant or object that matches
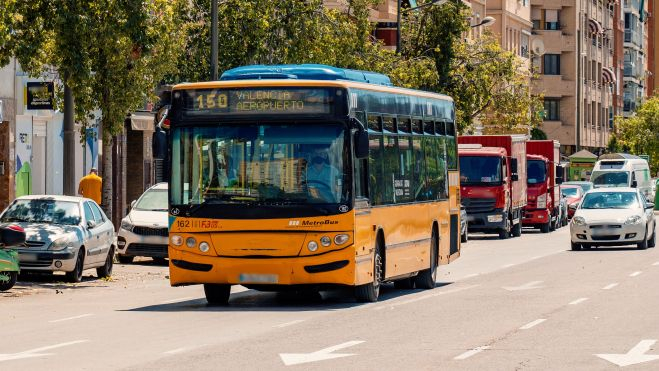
(273, 164)
(480, 170)
(610, 178)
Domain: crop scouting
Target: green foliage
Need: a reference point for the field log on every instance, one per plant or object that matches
(538, 134)
(639, 134)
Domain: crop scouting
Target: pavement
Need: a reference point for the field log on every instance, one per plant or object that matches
(523, 303)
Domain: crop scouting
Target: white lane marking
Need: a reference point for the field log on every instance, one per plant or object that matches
(35, 352)
(634, 356)
(183, 349)
(419, 298)
(527, 286)
(535, 257)
(533, 324)
(655, 263)
(507, 266)
(471, 275)
(635, 274)
(471, 352)
(290, 359)
(578, 301)
(286, 324)
(70, 318)
(610, 286)
(176, 300)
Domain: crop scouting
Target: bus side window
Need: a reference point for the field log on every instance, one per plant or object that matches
(359, 177)
(419, 181)
(375, 175)
(391, 169)
(451, 146)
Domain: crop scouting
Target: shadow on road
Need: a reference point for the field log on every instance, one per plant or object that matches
(30, 281)
(257, 301)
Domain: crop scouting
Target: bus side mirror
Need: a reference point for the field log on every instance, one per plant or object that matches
(361, 144)
(560, 174)
(159, 143)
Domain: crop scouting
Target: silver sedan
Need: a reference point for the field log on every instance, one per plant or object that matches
(613, 217)
(63, 233)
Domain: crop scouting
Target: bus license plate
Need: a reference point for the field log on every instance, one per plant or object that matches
(258, 278)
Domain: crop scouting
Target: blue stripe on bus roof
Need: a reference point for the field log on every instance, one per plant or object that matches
(304, 72)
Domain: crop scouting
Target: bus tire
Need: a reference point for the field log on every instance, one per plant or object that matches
(426, 278)
(369, 292)
(217, 294)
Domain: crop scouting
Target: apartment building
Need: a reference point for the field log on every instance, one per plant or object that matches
(573, 52)
(635, 54)
(513, 24)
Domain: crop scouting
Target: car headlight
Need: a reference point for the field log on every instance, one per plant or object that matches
(60, 244)
(541, 201)
(579, 220)
(125, 224)
(634, 219)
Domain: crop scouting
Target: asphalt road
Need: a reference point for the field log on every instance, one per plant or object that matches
(524, 303)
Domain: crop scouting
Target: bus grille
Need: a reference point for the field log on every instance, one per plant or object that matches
(479, 205)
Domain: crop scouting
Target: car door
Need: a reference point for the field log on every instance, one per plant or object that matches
(90, 241)
(106, 231)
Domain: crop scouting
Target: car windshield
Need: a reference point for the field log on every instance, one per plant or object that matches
(42, 211)
(610, 200)
(610, 178)
(480, 170)
(260, 164)
(570, 192)
(536, 172)
(153, 200)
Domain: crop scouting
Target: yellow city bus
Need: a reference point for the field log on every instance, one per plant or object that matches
(301, 177)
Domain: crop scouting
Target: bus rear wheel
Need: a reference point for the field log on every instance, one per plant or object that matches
(217, 294)
(369, 292)
(426, 278)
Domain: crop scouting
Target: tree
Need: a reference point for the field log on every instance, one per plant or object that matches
(639, 134)
(111, 54)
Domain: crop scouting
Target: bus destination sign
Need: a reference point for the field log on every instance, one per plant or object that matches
(258, 101)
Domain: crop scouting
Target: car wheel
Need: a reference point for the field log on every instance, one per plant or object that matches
(76, 274)
(576, 246)
(217, 294)
(7, 280)
(106, 270)
(426, 278)
(653, 240)
(125, 259)
(644, 243)
(464, 238)
(369, 292)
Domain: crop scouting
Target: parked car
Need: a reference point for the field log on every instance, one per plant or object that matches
(585, 186)
(613, 216)
(144, 231)
(464, 226)
(63, 233)
(573, 195)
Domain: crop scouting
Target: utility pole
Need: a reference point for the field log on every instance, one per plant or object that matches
(579, 83)
(214, 39)
(398, 27)
(68, 173)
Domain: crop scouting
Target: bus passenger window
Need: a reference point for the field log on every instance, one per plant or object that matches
(391, 169)
(405, 179)
(375, 176)
(419, 181)
(451, 146)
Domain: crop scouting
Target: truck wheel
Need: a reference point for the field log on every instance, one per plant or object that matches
(544, 228)
(7, 280)
(517, 230)
(505, 231)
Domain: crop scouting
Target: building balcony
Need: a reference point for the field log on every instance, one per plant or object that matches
(557, 41)
(555, 86)
(553, 4)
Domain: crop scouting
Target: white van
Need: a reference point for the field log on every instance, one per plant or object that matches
(622, 170)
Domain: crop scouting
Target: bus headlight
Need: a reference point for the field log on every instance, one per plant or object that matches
(177, 240)
(312, 246)
(325, 241)
(190, 242)
(204, 247)
(340, 239)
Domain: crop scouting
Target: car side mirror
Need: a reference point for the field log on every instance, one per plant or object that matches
(649, 206)
(91, 224)
(159, 143)
(12, 236)
(634, 183)
(132, 204)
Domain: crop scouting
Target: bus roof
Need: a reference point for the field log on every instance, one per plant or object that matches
(304, 72)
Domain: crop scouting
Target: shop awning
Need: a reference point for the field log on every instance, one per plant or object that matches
(141, 121)
(608, 76)
(595, 27)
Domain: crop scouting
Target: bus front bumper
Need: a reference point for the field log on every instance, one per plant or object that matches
(331, 268)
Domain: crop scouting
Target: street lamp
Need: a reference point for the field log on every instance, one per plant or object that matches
(487, 21)
(398, 14)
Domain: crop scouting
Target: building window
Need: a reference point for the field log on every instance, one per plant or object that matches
(551, 20)
(524, 46)
(552, 109)
(552, 64)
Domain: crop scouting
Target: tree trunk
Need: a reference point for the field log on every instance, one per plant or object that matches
(106, 198)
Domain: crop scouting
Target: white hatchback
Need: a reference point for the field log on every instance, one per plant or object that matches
(144, 231)
(613, 217)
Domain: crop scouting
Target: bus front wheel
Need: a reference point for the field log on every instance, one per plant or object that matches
(217, 294)
(369, 292)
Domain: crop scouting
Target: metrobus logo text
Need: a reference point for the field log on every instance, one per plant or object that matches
(311, 223)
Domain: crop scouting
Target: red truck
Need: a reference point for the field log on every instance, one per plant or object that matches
(493, 182)
(543, 177)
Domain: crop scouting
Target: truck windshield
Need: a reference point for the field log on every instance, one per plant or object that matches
(610, 178)
(480, 170)
(537, 172)
(259, 164)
